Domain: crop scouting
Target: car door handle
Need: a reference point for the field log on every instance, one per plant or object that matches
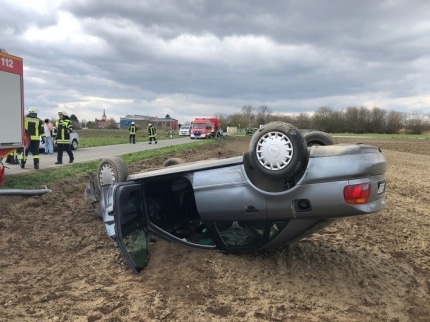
(251, 209)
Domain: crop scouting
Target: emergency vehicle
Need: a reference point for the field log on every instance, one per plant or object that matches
(12, 130)
(205, 128)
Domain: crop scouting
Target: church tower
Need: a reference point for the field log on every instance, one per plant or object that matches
(104, 117)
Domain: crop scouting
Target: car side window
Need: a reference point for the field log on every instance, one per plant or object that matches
(241, 233)
(276, 227)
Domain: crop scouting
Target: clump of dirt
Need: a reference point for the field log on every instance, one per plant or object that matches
(58, 264)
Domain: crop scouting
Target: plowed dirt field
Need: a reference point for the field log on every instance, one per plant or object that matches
(57, 263)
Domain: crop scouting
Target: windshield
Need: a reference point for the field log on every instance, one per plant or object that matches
(200, 126)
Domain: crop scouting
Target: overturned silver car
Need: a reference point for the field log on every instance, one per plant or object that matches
(287, 186)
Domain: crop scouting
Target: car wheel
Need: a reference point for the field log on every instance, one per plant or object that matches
(318, 138)
(74, 145)
(110, 171)
(172, 161)
(278, 150)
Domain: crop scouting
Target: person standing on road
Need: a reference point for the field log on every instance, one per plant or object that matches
(49, 140)
(152, 132)
(132, 133)
(63, 128)
(34, 128)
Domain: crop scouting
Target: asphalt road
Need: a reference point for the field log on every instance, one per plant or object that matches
(90, 154)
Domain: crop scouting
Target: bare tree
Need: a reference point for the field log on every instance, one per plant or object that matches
(112, 124)
(91, 125)
(395, 122)
(338, 122)
(351, 118)
(324, 120)
(236, 120)
(263, 115)
(282, 118)
(414, 122)
(364, 120)
(303, 121)
(426, 125)
(224, 118)
(378, 120)
(248, 113)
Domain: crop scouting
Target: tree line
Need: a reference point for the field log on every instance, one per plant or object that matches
(349, 120)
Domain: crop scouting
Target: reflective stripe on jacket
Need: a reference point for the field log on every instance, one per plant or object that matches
(152, 131)
(34, 127)
(62, 131)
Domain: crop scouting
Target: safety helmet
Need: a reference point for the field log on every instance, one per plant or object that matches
(33, 110)
(64, 113)
(132, 123)
(150, 124)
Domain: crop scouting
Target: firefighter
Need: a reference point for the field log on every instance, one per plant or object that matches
(63, 128)
(34, 127)
(152, 132)
(12, 158)
(132, 133)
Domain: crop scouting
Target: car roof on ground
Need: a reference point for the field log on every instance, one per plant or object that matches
(187, 167)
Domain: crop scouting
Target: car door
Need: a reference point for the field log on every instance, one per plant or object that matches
(130, 225)
(224, 194)
(235, 212)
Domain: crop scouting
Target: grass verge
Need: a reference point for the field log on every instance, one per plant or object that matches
(384, 136)
(45, 177)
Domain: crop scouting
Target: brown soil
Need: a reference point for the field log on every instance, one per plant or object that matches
(57, 263)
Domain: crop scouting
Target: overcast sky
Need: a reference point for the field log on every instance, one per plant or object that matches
(189, 58)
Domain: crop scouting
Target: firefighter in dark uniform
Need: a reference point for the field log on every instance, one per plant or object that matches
(132, 133)
(63, 128)
(34, 127)
(12, 158)
(152, 132)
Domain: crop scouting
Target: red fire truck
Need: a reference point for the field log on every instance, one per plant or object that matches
(205, 128)
(12, 131)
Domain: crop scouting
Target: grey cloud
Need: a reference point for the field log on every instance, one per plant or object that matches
(310, 51)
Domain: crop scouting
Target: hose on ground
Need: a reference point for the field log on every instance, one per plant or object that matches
(24, 192)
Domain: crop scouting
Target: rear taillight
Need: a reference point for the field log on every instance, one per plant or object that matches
(357, 193)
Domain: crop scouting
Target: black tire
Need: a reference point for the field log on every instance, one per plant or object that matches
(111, 170)
(172, 161)
(318, 138)
(278, 150)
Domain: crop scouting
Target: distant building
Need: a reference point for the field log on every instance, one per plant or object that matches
(142, 122)
(231, 129)
(103, 122)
